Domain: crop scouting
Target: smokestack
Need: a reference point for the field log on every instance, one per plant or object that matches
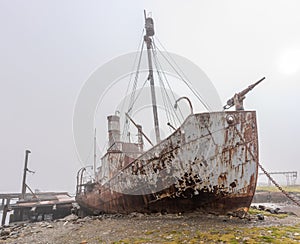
(113, 129)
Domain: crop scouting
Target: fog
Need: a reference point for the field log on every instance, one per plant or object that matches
(49, 49)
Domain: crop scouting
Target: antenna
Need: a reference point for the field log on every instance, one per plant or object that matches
(95, 155)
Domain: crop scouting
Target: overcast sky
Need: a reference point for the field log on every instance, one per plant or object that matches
(48, 49)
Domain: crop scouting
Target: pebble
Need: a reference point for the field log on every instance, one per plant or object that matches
(4, 232)
(260, 217)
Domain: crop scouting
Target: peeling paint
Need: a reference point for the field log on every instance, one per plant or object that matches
(208, 163)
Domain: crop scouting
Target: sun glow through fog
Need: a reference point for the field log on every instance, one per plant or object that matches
(289, 61)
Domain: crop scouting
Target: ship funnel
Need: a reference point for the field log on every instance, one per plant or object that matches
(113, 129)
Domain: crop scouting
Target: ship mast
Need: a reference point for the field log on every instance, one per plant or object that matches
(149, 26)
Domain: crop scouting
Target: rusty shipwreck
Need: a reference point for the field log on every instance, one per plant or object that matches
(208, 163)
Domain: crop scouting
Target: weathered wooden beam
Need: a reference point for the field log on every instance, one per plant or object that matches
(5, 210)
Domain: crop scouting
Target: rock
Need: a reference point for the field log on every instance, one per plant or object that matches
(43, 224)
(87, 218)
(135, 214)
(241, 214)
(273, 211)
(246, 239)
(79, 221)
(49, 226)
(71, 217)
(276, 210)
(14, 233)
(117, 216)
(261, 207)
(5, 232)
(260, 217)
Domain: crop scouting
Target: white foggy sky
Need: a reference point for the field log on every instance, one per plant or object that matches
(48, 49)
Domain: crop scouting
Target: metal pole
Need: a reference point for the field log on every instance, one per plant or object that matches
(24, 175)
(153, 96)
(95, 156)
(149, 26)
(139, 129)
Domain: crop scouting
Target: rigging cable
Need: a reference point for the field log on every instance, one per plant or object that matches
(162, 84)
(141, 43)
(165, 96)
(126, 124)
(140, 91)
(186, 81)
(159, 66)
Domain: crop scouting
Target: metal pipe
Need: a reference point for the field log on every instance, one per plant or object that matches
(189, 101)
(139, 129)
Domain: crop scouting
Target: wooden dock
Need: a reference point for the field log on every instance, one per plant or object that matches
(35, 207)
(5, 200)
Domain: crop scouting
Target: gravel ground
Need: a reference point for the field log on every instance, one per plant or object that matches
(155, 228)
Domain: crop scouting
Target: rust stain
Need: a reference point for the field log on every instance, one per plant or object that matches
(205, 164)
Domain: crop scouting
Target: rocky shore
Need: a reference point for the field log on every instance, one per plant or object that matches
(256, 226)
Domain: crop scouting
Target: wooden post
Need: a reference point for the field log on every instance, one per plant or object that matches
(24, 175)
(2, 204)
(5, 210)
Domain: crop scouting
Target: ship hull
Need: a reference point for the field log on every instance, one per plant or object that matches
(209, 163)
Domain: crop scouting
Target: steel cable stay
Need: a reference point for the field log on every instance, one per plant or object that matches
(126, 128)
(135, 80)
(169, 117)
(159, 67)
(165, 77)
(177, 66)
(132, 95)
(140, 47)
(197, 95)
(185, 80)
(138, 95)
(166, 98)
(170, 104)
